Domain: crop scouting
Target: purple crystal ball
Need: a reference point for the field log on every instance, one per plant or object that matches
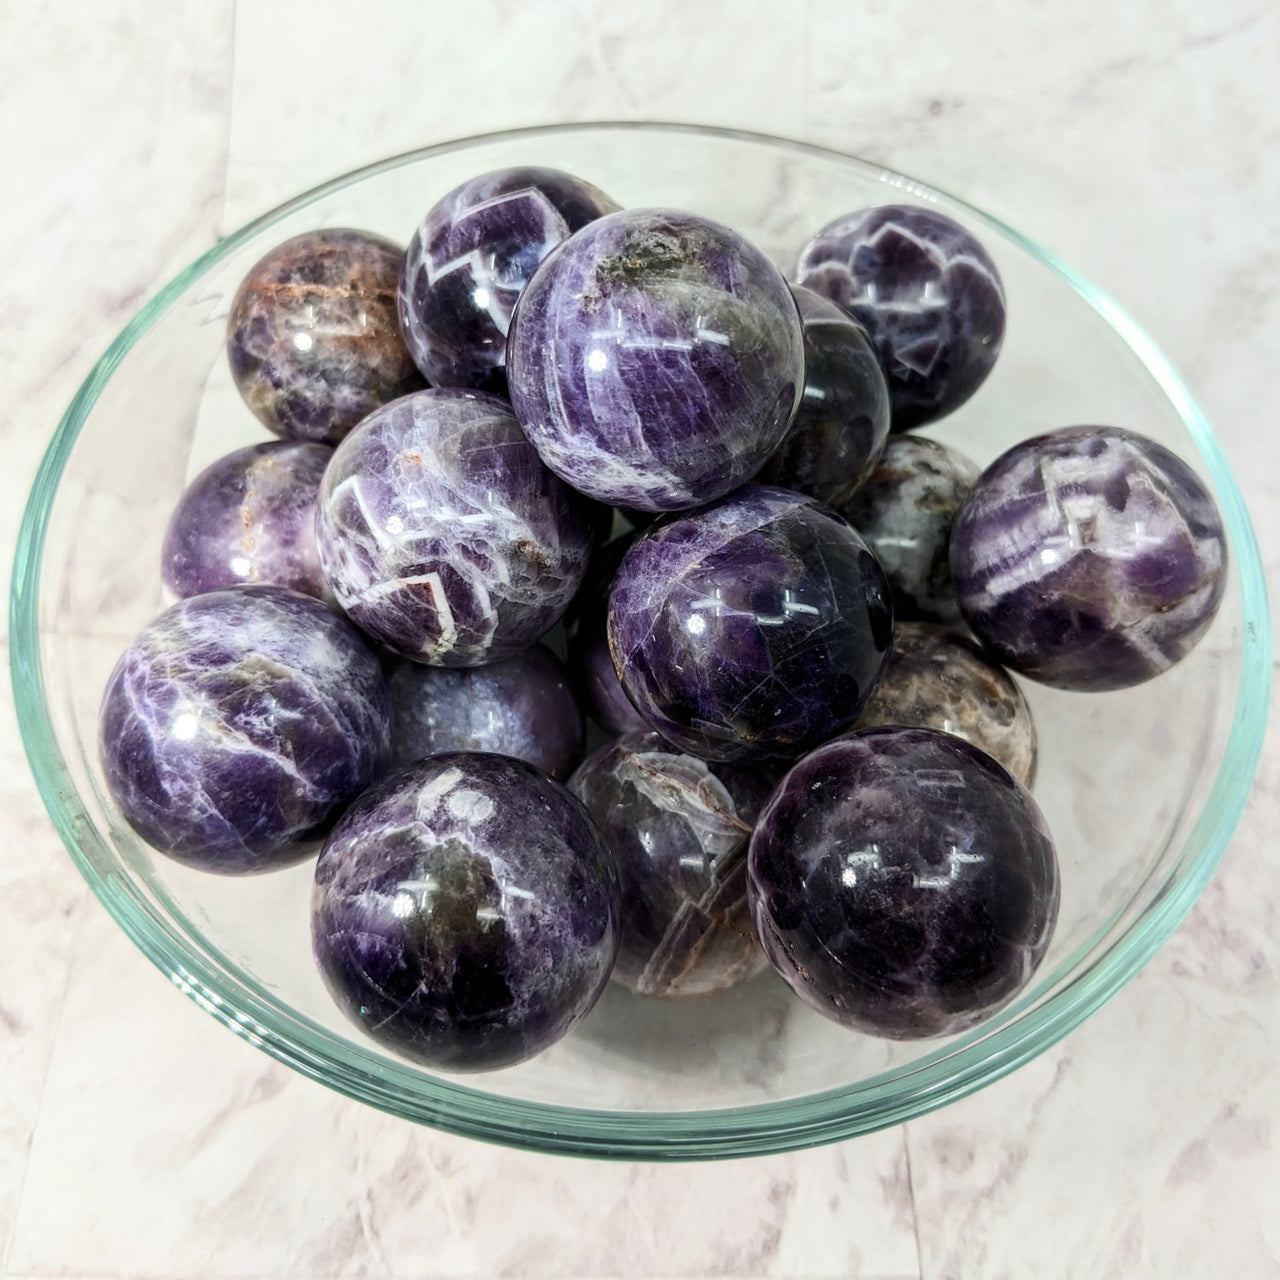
(237, 725)
(523, 706)
(465, 912)
(655, 360)
(442, 534)
(312, 337)
(925, 290)
(470, 258)
(754, 628)
(905, 511)
(677, 829)
(249, 518)
(840, 429)
(1089, 558)
(902, 882)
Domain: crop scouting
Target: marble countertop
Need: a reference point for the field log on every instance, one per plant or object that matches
(1141, 141)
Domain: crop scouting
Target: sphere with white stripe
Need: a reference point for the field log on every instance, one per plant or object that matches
(443, 535)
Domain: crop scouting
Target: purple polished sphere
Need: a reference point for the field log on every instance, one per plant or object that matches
(925, 290)
(471, 257)
(905, 511)
(312, 337)
(523, 707)
(442, 534)
(678, 830)
(754, 628)
(903, 883)
(655, 360)
(238, 724)
(465, 912)
(1089, 558)
(249, 518)
(840, 429)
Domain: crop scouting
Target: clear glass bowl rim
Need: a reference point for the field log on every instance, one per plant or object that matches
(950, 1073)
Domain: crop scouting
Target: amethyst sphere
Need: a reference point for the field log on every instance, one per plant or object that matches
(903, 883)
(1089, 558)
(312, 337)
(655, 360)
(470, 258)
(465, 912)
(841, 426)
(677, 829)
(238, 724)
(752, 629)
(442, 534)
(905, 511)
(925, 290)
(249, 518)
(936, 679)
(523, 707)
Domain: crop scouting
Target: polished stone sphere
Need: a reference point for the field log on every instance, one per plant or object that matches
(465, 912)
(903, 883)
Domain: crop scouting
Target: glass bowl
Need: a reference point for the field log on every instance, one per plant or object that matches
(1141, 788)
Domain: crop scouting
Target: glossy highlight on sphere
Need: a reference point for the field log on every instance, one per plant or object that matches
(840, 429)
(312, 337)
(655, 360)
(249, 518)
(470, 259)
(925, 290)
(906, 511)
(442, 534)
(903, 883)
(465, 912)
(937, 679)
(238, 724)
(677, 829)
(751, 629)
(1089, 558)
(523, 706)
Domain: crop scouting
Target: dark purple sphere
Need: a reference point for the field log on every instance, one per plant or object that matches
(925, 290)
(903, 883)
(1089, 558)
(752, 629)
(905, 511)
(655, 360)
(312, 337)
(442, 534)
(469, 260)
(238, 724)
(249, 518)
(465, 912)
(523, 706)
(843, 421)
(678, 830)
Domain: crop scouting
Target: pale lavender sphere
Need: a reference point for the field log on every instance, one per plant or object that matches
(237, 726)
(470, 258)
(523, 706)
(249, 518)
(655, 360)
(443, 535)
(1089, 558)
(903, 883)
(465, 912)
(678, 830)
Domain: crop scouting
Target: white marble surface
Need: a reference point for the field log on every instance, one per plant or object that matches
(1142, 141)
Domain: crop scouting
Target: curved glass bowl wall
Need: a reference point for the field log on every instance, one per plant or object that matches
(1142, 788)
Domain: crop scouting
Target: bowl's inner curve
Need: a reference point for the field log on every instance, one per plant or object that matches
(1122, 777)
